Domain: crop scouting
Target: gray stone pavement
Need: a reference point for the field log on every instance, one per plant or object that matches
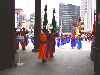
(67, 61)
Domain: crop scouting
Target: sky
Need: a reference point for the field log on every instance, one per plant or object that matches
(29, 6)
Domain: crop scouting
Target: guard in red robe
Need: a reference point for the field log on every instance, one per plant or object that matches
(52, 44)
(24, 39)
(43, 47)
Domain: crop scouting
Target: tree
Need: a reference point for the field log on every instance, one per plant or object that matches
(54, 22)
(45, 22)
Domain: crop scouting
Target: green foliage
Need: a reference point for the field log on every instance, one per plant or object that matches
(45, 22)
(54, 24)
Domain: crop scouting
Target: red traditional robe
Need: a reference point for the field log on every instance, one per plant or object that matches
(43, 46)
(51, 45)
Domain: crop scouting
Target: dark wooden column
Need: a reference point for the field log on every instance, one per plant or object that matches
(7, 38)
(37, 26)
(97, 54)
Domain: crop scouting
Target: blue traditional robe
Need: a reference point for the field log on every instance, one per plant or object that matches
(76, 40)
(73, 43)
(67, 39)
(62, 41)
(58, 42)
(79, 46)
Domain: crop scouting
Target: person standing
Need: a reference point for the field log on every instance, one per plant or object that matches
(17, 39)
(67, 39)
(62, 40)
(79, 46)
(73, 42)
(58, 41)
(52, 44)
(50, 47)
(43, 47)
(24, 40)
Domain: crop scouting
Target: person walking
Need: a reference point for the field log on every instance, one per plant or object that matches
(73, 42)
(58, 41)
(67, 39)
(52, 44)
(24, 40)
(79, 46)
(43, 47)
(17, 38)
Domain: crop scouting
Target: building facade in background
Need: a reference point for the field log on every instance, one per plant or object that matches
(19, 17)
(87, 10)
(68, 15)
(32, 21)
(21, 20)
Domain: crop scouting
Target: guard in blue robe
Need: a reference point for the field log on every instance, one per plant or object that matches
(73, 42)
(62, 41)
(76, 40)
(67, 39)
(58, 42)
(79, 43)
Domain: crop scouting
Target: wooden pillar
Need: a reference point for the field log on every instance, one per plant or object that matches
(37, 27)
(97, 52)
(7, 38)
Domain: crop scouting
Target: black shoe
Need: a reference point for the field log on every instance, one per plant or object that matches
(43, 61)
(23, 49)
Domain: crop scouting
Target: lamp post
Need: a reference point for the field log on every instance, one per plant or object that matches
(37, 26)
